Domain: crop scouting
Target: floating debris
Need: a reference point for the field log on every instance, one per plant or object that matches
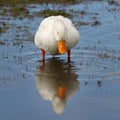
(2, 43)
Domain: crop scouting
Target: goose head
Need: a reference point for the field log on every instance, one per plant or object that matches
(59, 32)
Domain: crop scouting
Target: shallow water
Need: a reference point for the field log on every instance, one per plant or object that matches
(28, 88)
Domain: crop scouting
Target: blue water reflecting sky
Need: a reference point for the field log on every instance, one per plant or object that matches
(29, 89)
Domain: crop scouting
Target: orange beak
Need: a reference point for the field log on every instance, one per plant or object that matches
(61, 47)
(61, 91)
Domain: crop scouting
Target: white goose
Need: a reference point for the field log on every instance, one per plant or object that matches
(56, 35)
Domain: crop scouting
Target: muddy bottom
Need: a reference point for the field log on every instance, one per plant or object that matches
(29, 89)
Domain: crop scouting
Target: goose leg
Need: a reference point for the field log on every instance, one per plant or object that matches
(42, 60)
(43, 55)
(68, 55)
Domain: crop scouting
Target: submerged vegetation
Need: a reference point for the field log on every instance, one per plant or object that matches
(3, 27)
(113, 2)
(14, 2)
(18, 11)
(18, 8)
(48, 12)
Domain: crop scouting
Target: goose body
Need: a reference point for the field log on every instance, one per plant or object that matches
(52, 31)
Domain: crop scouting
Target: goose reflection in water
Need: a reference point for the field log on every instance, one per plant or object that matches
(57, 81)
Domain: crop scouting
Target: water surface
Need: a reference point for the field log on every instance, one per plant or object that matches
(29, 88)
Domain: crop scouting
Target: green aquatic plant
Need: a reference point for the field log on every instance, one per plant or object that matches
(48, 12)
(113, 2)
(18, 11)
(3, 27)
(14, 2)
